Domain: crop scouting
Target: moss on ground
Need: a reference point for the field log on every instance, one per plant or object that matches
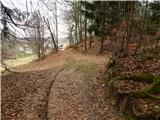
(150, 77)
(128, 116)
(83, 65)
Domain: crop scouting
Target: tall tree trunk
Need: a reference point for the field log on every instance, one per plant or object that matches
(43, 50)
(142, 27)
(102, 27)
(36, 42)
(52, 36)
(80, 24)
(76, 21)
(85, 42)
(124, 29)
(39, 42)
(71, 35)
(38, 49)
(76, 30)
(38, 37)
(56, 22)
(70, 38)
(130, 23)
(54, 42)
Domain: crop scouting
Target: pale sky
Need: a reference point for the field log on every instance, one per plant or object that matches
(39, 5)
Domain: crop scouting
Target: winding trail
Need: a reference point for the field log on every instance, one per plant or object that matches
(48, 94)
(65, 86)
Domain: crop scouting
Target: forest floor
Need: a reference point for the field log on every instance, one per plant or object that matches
(64, 86)
(135, 82)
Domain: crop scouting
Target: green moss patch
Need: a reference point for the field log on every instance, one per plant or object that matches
(82, 65)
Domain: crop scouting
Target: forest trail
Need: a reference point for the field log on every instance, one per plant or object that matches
(65, 86)
(61, 58)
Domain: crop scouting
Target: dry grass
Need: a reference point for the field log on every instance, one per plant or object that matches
(20, 61)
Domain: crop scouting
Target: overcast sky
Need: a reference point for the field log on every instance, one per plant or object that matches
(45, 11)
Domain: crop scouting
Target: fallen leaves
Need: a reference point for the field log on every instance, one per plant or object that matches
(146, 108)
(23, 94)
(145, 69)
(135, 64)
(130, 86)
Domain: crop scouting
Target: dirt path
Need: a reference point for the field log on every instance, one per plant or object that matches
(66, 86)
(77, 97)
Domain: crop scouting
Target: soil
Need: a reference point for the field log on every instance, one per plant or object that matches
(64, 86)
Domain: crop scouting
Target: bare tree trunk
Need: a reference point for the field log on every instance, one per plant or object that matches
(142, 27)
(38, 37)
(56, 22)
(39, 42)
(76, 30)
(52, 36)
(85, 42)
(123, 29)
(130, 23)
(76, 21)
(43, 50)
(71, 36)
(102, 27)
(80, 24)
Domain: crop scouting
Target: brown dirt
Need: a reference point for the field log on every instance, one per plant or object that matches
(61, 58)
(73, 97)
(39, 93)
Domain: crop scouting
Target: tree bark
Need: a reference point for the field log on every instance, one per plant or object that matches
(42, 42)
(56, 22)
(52, 36)
(85, 42)
(80, 24)
(130, 23)
(76, 21)
(38, 37)
(102, 27)
(142, 27)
